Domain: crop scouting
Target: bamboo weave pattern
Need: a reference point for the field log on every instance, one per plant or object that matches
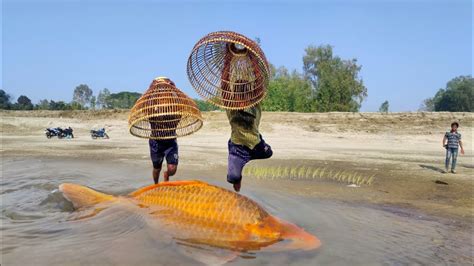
(229, 70)
(164, 112)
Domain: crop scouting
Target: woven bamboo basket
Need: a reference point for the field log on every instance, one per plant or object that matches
(228, 70)
(164, 112)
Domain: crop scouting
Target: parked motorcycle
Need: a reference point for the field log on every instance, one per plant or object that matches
(67, 133)
(99, 134)
(59, 132)
(52, 132)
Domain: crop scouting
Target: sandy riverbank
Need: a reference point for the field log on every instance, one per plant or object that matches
(401, 152)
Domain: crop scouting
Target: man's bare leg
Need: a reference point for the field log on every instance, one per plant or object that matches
(156, 174)
(170, 172)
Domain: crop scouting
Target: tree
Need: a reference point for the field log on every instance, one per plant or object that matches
(23, 103)
(4, 100)
(278, 96)
(43, 105)
(456, 97)
(427, 105)
(82, 95)
(288, 92)
(102, 98)
(300, 89)
(93, 102)
(335, 82)
(60, 105)
(384, 107)
(122, 100)
(74, 106)
(205, 105)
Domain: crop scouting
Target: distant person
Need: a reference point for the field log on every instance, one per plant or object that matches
(246, 143)
(451, 141)
(164, 126)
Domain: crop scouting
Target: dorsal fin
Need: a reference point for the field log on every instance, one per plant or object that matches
(82, 196)
(165, 184)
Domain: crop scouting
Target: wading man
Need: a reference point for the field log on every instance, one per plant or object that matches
(163, 142)
(161, 149)
(162, 114)
(451, 141)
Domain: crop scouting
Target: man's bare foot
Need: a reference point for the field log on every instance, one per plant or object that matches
(237, 186)
(166, 177)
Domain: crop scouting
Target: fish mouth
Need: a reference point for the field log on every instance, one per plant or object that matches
(298, 238)
(304, 241)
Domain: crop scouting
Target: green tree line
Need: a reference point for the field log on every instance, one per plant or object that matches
(328, 83)
(83, 98)
(455, 97)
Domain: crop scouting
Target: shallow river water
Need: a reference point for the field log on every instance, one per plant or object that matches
(37, 228)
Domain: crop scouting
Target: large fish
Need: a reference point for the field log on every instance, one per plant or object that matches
(200, 213)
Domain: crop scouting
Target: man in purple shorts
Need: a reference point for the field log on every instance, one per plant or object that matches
(245, 142)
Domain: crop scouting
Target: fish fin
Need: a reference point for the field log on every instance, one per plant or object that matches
(86, 214)
(82, 196)
(207, 255)
(166, 184)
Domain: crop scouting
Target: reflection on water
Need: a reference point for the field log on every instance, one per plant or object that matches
(37, 227)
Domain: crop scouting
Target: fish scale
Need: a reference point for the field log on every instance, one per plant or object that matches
(205, 201)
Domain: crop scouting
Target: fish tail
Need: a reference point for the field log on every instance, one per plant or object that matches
(82, 196)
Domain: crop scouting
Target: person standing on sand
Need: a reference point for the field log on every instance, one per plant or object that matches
(245, 143)
(451, 141)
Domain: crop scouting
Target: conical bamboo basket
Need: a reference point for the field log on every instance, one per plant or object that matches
(228, 70)
(164, 112)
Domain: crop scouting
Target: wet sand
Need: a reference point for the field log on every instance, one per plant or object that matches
(402, 205)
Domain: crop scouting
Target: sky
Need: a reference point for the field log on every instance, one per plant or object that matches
(407, 49)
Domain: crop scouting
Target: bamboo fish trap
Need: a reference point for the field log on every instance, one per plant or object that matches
(164, 112)
(229, 70)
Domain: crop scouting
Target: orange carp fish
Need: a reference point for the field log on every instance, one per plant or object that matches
(200, 213)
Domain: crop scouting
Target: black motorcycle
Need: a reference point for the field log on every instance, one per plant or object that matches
(67, 133)
(59, 132)
(99, 134)
(52, 132)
